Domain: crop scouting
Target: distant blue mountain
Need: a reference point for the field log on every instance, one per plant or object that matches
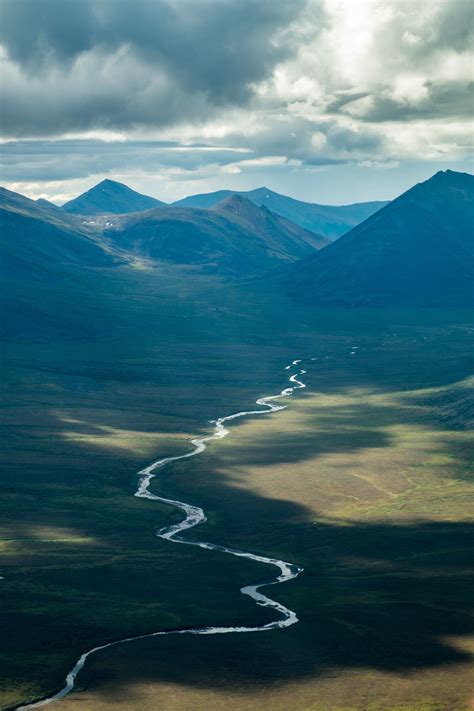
(110, 197)
(329, 220)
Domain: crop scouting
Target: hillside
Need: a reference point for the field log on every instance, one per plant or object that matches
(34, 236)
(44, 254)
(110, 197)
(234, 238)
(47, 204)
(418, 250)
(267, 223)
(329, 220)
(15, 202)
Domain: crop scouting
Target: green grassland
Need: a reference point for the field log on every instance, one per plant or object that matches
(364, 480)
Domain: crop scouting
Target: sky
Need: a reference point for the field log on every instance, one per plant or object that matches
(329, 101)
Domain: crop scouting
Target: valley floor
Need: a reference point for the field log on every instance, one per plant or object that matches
(365, 481)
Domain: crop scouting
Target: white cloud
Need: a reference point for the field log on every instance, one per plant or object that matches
(410, 89)
(366, 82)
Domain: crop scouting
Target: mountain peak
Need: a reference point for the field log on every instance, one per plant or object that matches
(110, 196)
(235, 201)
(263, 221)
(262, 192)
(108, 183)
(47, 203)
(446, 178)
(451, 175)
(418, 250)
(241, 207)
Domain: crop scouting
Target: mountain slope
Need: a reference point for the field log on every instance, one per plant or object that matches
(10, 200)
(418, 250)
(50, 268)
(329, 220)
(267, 223)
(47, 204)
(233, 238)
(206, 199)
(36, 240)
(110, 197)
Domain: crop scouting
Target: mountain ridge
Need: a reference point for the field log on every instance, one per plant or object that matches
(111, 197)
(263, 219)
(35, 236)
(329, 220)
(418, 250)
(224, 239)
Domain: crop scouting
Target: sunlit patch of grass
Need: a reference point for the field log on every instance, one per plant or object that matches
(315, 453)
(326, 483)
(47, 534)
(106, 437)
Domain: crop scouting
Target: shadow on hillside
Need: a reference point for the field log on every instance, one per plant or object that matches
(379, 596)
(382, 597)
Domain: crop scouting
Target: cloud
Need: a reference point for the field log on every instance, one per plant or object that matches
(181, 88)
(127, 63)
(414, 98)
(71, 159)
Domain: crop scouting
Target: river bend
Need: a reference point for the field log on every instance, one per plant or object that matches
(194, 515)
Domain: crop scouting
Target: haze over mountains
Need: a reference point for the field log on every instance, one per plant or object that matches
(234, 238)
(329, 220)
(111, 197)
(418, 250)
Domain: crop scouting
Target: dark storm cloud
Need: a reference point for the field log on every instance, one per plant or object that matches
(38, 33)
(262, 82)
(123, 63)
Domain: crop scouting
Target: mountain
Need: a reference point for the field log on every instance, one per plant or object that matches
(207, 199)
(38, 209)
(10, 200)
(47, 204)
(110, 197)
(418, 250)
(49, 266)
(35, 239)
(235, 237)
(329, 220)
(266, 223)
